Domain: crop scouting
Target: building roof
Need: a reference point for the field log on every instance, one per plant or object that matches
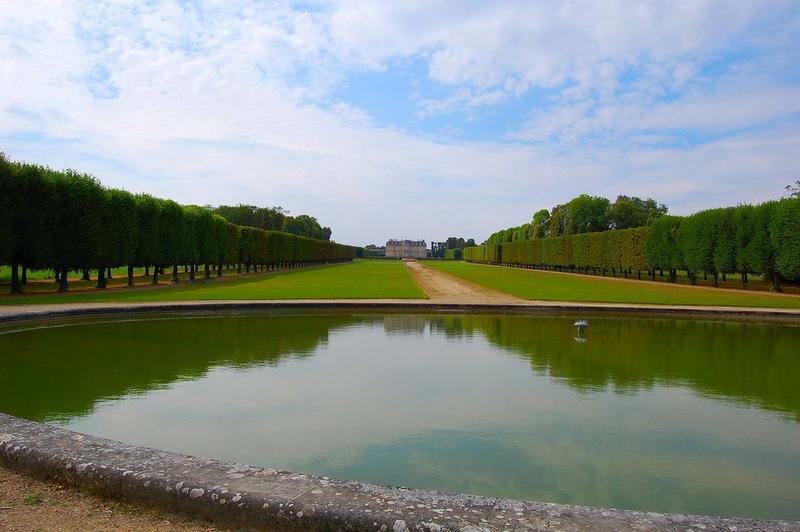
(397, 242)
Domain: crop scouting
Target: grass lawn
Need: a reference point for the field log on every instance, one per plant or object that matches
(552, 286)
(361, 279)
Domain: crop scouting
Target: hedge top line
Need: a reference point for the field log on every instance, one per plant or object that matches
(758, 239)
(65, 220)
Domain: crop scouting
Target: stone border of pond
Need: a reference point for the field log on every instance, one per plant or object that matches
(238, 495)
(12, 313)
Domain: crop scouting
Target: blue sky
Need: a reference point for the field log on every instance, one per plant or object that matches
(409, 119)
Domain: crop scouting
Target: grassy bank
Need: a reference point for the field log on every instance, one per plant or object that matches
(354, 280)
(552, 286)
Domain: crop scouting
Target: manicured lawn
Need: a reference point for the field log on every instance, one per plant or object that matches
(552, 286)
(356, 280)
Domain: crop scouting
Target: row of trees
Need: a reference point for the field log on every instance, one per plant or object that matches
(67, 221)
(450, 248)
(750, 240)
(274, 219)
(584, 214)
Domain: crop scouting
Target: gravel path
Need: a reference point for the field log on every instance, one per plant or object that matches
(443, 288)
(30, 504)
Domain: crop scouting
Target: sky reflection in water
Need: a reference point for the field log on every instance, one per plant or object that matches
(664, 415)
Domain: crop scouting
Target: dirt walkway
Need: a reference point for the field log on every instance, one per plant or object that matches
(443, 288)
(30, 504)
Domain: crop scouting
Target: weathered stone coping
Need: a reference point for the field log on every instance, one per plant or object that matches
(239, 495)
(13, 313)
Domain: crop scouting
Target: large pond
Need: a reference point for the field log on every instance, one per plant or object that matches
(691, 416)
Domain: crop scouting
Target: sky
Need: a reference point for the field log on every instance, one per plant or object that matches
(414, 119)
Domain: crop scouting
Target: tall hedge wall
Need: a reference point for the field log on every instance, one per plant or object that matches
(761, 240)
(65, 221)
(454, 254)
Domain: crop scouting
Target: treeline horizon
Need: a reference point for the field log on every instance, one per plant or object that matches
(273, 219)
(584, 214)
(68, 221)
(761, 239)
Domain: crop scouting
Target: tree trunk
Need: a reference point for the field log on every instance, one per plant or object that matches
(101, 278)
(24, 280)
(239, 267)
(130, 275)
(206, 271)
(155, 274)
(86, 276)
(716, 280)
(63, 283)
(724, 277)
(108, 276)
(185, 269)
(219, 270)
(57, 276)
(147, 270)
(775, 282)
(175, 274)
(15, 286)
(744, 280)
(192, 270)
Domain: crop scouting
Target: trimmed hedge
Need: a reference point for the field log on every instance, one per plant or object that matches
(761, 240)
(66, 221)
(454, 254)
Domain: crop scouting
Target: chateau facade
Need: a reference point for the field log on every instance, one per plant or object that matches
(401, 249)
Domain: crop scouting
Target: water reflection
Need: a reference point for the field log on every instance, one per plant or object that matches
(653, 414)
(61, 371)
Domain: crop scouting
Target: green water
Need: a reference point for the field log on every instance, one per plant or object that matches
(670, 415)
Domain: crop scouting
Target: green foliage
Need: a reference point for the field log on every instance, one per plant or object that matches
(785, 237)
(148, 210)
(540, 225)
(67, 221)
(269, 218)
(34, 499)
(454, 254)
(696, 240)
(120, 236)
(627, 212)
(7, 238)
(586, 214)
(762, 239)
(725, 243)
(307, 226)
(661, 246)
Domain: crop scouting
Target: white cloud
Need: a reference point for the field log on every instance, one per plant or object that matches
(213, 104)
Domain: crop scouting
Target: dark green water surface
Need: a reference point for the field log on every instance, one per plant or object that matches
(690, 416)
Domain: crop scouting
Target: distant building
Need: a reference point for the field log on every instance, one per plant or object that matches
(401, 249)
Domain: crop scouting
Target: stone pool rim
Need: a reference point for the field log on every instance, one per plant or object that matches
(238, 495)
(17, 313)
(266, 498)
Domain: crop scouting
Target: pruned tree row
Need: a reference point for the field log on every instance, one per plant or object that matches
(66, 221)
(454, 254)
(748, 240)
